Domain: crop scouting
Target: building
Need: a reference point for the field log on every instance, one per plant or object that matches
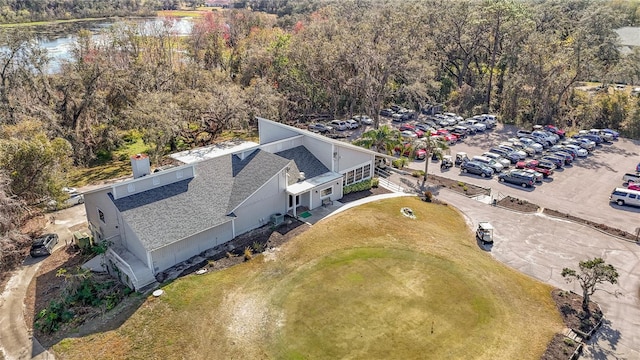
(157, 220)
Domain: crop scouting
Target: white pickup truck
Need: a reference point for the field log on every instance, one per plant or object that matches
(631, 177)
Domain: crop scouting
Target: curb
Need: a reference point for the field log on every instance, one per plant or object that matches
(592, 227)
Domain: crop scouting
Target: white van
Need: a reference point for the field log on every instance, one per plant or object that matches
(622, 196)
(496, 166)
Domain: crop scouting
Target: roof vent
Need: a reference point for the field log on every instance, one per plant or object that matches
(301, 176)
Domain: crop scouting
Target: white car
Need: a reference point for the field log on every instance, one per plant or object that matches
(532, 144)
(520, 153)
(580, 151)
(363, 119)
(408, 134)
(474, 124)
(75, 198)
(505, 162)
(352, 124)
(339, 125)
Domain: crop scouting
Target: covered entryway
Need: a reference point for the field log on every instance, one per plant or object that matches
(312, 193)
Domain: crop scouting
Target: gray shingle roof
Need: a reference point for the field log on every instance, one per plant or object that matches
(305, 161)
(172, 212)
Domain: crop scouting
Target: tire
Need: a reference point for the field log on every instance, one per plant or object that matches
(483, 175)
(524, 185)
(501, 179)
(464, 171)
(81, 201)
(620, 202)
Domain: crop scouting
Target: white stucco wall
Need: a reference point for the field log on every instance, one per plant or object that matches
(322, 150)
(336, 193)
(167, 256)
(131, 242)
(110, 229)
(348, 158)
(283, 144)
(257, 210)
(272, 132)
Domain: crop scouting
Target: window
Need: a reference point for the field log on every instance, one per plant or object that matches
(632, 196)
(366, 172)
(350, 177)
(101, 216)
(358, 174)
(326, 192)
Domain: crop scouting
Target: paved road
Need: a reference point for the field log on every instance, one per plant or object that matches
(16, 342)
(582, 189)
(541, 246)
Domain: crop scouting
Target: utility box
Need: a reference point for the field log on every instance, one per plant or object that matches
(82, 239)
(277, 219)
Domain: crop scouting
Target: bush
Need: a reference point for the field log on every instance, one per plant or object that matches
(257, 247)
(248, 254)
(400, 163)
(569, 342)
(418, 173)
(360, 186)
(375, 182)
(428, 196)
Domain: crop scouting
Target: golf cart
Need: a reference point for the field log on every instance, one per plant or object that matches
(485, 232)
(461, 157)
(447, 162)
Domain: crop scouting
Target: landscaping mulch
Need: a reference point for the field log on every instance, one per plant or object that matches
(518, 205)
(569, 305)
(608, 229)
(458, 186)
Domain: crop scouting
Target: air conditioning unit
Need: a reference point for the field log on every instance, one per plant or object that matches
(277, 219)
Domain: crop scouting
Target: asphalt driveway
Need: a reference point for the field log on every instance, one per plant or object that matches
(582, 189)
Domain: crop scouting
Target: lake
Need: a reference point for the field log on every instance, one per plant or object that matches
(59, 39)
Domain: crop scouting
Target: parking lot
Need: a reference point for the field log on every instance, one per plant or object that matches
(581, 189)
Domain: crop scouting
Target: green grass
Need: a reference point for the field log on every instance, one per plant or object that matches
(368, 283)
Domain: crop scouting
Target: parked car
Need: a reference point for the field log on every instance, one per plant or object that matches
(532, 144)
(581, 152)
(631, 178)
(587, 144)
(74, 198)
(638, 168)
(535, 165)
(460, 134)
(555, 160)
(511, 156)
(408, 134)
(352, 124)
(496, 166)
(543, 136)
(474, 123)
(634, 186)
(386, 112)
(363, 119)
(321, 128)
(485, 119)
(622, 196)
(555, 130)
(474, 167)
(606, 137)
(595, 138)
(537, 176)
(520, 153)
(424, 128)
(43, 245)
(505, 163)
(339, 125)
(613, 133)
(517, 176)
(568, 158)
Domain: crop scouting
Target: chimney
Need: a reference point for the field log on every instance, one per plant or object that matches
(140, 165)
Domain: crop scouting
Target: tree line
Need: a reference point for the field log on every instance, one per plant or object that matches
(19, 11)
(521, 60)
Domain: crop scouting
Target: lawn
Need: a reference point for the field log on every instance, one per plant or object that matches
(366, 283)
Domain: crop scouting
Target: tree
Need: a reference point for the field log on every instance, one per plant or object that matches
(382, 140)
(592, 274)
(430, 144)
(12, 242)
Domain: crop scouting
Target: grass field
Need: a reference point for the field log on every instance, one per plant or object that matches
(368, 283)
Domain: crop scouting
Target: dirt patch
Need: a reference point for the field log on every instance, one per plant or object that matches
(605, 228)
(517, 205)
(458, 186)
(569, 305)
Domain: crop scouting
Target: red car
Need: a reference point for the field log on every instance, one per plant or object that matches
(419, 154)
(552, 129)
(534, 165)
(634, 186)
(410, 127)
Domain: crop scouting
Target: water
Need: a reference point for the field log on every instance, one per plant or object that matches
(59, 40)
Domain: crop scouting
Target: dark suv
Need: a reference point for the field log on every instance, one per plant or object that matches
(43, 245)
(518, 177)
(474, 167)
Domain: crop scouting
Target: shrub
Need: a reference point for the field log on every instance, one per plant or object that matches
(375, 182)
(400, 163)
(360, 186)
(460, 183)
(257, 247)
(465, 188)
(428, 196)
(248, 254)
(569, 342)
(417, 173)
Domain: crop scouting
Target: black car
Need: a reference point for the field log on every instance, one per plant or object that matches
(518, 177)
(43, 245)
(474, 167)
(557, 161)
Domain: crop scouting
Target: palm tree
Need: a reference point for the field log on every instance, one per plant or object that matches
(382, 140)
(430, 144)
